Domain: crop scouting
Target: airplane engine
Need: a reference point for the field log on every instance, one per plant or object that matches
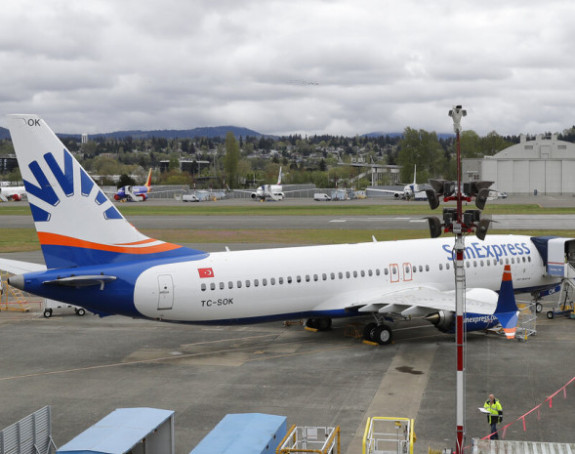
(16, 197)
(116, 197)
(143, 197)
(397, 195)
(443, 321)
(254, 195)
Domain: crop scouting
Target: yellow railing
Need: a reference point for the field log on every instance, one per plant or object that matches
(388, 434)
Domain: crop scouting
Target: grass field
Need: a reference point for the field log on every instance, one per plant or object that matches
(275, 209)
(18, 240)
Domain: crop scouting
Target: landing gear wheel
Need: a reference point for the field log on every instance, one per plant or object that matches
(383, 335)
(47, 313)
(368, 331)
(321, 324)
(550, 315)
(80, 312)
(538, 308)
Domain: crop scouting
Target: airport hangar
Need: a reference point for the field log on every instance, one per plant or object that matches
(542, 166)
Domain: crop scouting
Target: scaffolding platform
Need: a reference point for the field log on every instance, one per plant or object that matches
(387, 435)
(320, 440)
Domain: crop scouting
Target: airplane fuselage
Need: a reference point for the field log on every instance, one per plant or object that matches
(316, 281)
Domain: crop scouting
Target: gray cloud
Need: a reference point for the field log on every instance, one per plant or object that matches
(279, 66)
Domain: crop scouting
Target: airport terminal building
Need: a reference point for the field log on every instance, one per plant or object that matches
(543, 166)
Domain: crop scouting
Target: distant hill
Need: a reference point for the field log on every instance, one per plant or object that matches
(208, 132)
(372, 135)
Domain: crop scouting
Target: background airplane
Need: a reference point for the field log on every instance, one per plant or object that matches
(96, 259)
(411, 191)
(135, 193)
(270, 191)
(14, 193)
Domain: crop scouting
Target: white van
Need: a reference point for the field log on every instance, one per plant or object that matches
(321, 197)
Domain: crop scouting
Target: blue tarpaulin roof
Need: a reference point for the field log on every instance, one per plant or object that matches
(118, 432)
(244, 433)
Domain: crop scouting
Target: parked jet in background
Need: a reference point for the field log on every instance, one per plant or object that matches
(270, 191)
(411, 191)
(96, 259)
(135, 193)
(14, 193)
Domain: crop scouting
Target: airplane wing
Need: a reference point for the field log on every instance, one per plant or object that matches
(420, 301)
(396, 194)
(19, 267)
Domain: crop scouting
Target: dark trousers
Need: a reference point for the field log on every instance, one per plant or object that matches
(493, 426)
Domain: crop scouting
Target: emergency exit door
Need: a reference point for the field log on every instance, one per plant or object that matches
(165, 291)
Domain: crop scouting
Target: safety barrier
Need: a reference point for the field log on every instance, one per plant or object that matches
(388, 435)
(320, 440)
(535, 410)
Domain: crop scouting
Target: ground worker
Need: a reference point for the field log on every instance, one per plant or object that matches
(495, 415)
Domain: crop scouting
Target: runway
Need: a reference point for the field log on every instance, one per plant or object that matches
(500, 222)
(85, 367)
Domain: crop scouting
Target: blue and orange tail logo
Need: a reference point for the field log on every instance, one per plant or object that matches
(77, 224)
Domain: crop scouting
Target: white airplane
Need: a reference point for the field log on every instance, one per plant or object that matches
(97, 260)
(411, 191)
(270, 191)
(14, 193)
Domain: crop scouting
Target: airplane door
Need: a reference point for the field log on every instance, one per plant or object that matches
(407, 276)
(165, 291)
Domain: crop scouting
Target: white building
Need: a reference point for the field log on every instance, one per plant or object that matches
(542, 166)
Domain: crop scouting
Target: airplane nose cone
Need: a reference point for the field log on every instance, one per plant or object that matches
(17, 281)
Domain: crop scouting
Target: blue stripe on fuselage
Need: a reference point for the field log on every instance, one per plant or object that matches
(117, 297)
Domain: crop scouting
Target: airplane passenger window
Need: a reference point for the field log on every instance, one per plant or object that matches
(481, 262)
(315, 277)
(355, 274)
(529, 259)
(340, 275)
(212, 286)
(289, 279)
(332, 276)
(440, 267)
(239, 284)
(222, 285)
(377, 271)
(406, 269)
(362, 273)
(298, 279)
(447, 266)
(264, 282)
(475, 264)
(248, 283)
(393, 270)
(426, 267)
(230, 285)
(507, 261)
(324, 276)
(307, 277)
(420, 269)
(273, 281)
(280, 280)
(347, 274)
(468, 264)
(203, 287)
(256, 283)
(369, 273)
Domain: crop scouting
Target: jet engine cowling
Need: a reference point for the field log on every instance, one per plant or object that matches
(444, 321)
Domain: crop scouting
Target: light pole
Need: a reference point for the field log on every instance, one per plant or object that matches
(459, 223)
(456, 114)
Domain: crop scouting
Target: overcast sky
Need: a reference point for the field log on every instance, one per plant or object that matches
(341, 67)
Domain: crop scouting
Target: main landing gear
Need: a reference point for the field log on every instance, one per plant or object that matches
(378, 332)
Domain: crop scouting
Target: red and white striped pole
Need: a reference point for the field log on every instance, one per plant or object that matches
(457, 113)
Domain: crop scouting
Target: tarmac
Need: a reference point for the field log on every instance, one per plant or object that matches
(85, 367)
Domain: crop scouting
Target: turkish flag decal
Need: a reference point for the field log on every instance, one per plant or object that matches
(206, 272)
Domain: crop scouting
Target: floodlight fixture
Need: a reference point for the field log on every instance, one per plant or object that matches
(456, 114)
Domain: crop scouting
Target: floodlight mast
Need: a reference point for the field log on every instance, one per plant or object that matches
(456, 114)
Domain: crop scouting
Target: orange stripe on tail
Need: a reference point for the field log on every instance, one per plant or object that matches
(60, 240)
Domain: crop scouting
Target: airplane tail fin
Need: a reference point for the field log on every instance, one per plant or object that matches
(506, 310)
(280, 176)
(77, 224)
(149, 181)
